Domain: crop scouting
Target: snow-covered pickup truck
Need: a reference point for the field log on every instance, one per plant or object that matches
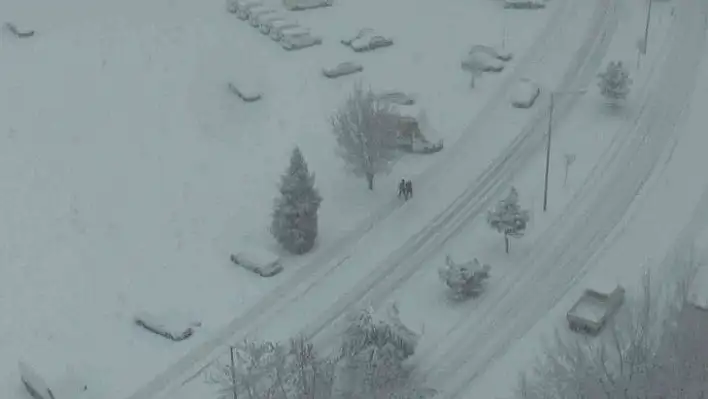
(591, 312)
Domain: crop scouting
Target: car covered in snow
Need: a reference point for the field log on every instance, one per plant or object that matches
(525, 93)
(367, 40)
(233, 6)
(296, 40)
(261, 262)
(499, 54)
(524, 4)
(257, 13)
(482, 62)
(277, 27)
(264, 22)
(297, 5)
(395, 97)
(342, 69)
(595, 307)
(244, 7)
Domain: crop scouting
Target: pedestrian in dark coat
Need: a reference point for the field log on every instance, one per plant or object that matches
(409, 189)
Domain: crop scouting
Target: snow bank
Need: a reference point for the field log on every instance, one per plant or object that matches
(172, 326)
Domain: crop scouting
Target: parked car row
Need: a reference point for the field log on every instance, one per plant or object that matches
(278, 26)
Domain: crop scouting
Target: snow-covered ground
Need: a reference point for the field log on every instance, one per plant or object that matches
(130, 172)
(371, 273)
(668, 221)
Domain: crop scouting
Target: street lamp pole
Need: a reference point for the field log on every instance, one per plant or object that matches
(548, 152)
(548, 141)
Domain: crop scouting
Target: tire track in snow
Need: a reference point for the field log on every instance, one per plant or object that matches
(326, 262)
(408, 259)
(564, 259)
(609, 156)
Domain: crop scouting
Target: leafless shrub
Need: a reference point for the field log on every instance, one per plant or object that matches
(633, 359)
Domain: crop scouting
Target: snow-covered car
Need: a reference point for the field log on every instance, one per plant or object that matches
(595, 307)
(370, 42)
(257, 13)
(297, 41)
(524, 4)
(297, 5)
(395, 97)
(245, 91)
(277, 28)
(525, 93)
(494, 52)
(482, 62)
(366, 40)
(342, 69)
(243, 11)
(48, 383)
(233, 6)
(265, 21)
(261, 262)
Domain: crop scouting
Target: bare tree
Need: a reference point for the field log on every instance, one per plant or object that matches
(366, 131)
(633, 360)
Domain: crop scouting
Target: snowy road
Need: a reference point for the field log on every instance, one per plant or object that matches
(570, 245)
(546, 50)
(479, 196)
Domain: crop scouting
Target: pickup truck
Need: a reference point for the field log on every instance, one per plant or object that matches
(592, 310)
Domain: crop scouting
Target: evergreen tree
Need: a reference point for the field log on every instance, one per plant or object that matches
(615, 81)
(294, 223)
(508, 218)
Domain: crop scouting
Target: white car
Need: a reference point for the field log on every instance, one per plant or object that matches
(263, 263)
(264, 21)
(243, 11)
(258, 12)
(296, 5)
(494, 52)
(524, 4)
(482, 62)
(233, 6)
(297, 41)
(525, 93)
(277, 28)
(396, 97)
(342, 69)
(366, 40)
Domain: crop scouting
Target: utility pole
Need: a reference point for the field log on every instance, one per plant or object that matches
(548, 153)
(233, 374)
(646, 29)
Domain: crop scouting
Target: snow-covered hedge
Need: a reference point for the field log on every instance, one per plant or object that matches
(465, 279)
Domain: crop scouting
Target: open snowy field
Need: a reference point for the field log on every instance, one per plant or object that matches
(130, 172)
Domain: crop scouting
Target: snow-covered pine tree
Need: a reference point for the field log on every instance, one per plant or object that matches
(294, 223)
(508, 218)
(615, 81)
